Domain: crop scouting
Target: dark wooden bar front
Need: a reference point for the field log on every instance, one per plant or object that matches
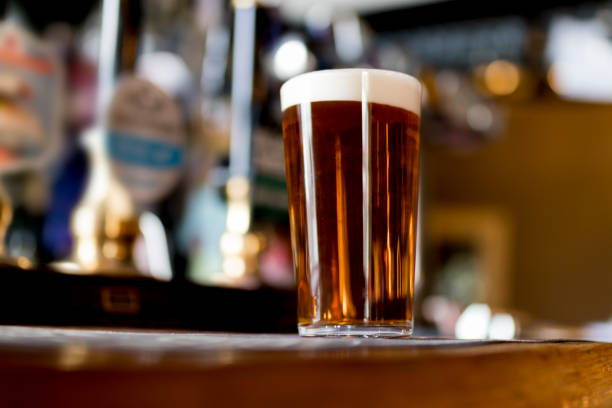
(102, 368)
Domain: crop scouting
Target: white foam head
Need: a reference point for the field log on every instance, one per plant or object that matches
(379, 86)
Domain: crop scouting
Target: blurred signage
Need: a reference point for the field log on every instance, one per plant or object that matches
(30, 99)
(466, 44)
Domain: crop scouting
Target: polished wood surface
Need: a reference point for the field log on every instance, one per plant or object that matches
(89, 368)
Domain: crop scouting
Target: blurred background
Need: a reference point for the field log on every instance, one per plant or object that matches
(142, 174)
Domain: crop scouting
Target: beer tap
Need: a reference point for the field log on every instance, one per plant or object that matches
(239, 246)
(106, 223)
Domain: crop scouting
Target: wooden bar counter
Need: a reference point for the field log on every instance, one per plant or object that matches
(106, 368)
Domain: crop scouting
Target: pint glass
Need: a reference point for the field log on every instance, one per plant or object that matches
(351, 139)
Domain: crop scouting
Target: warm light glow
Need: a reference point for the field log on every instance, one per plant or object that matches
(551, 79)
(67, 267)
(85, 221)
(237, 188)
(86, 253)
(122, 205)
(252, 244)
(290, 58)
(111, 250)
(112, 226)
(234, 241)
(72, 356)
(238, 217)
(501, 77)
(502, 327)
(232, 244)
(234, 267)
(99, 177)
(23, 262)
(473, 322)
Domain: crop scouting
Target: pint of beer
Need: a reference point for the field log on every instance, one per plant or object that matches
(351, 140)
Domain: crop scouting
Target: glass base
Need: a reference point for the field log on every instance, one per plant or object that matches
(360, 330)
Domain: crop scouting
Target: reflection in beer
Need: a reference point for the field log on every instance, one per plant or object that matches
(344, 283)
(310, 219)
(365, 180)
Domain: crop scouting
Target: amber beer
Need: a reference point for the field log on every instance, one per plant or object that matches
(351, 142)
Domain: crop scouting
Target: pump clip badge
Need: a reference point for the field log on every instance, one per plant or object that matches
(30, 100)
(145, 139)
